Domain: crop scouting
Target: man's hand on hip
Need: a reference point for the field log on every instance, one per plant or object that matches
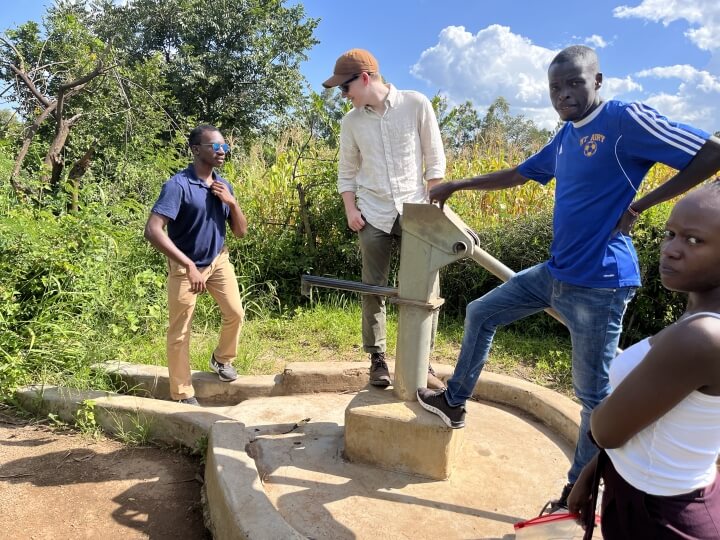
(625, 223)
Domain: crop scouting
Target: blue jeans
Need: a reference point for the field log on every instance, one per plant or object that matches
(593, 316)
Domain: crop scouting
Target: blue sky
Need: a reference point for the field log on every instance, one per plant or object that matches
(663, 52)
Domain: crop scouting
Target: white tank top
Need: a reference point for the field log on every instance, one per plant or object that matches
(677, 453)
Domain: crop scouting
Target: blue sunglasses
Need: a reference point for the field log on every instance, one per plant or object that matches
(216, 146)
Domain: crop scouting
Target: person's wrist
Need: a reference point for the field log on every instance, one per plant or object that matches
(634, 213)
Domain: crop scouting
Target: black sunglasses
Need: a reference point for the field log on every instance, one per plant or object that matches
(344, 87)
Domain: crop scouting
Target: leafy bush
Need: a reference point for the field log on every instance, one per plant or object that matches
(518, 243)
(523, 241)
(654, 307)
(68, 284)
(86, 287)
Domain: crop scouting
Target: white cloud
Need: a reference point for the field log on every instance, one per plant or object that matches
(676, 107)
(496, 62)
(612, 87)
(696, 99)
(701, 80)
(483, 66)
(545, 117)
(596, 41)
(703, 15)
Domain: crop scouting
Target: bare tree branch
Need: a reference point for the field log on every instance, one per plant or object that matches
(304, 212)
(85, 78)
(152, 98)
(54, 107)
(28, 83)
(20, 190)
(44, 67)
(42, 51)
(19, 56)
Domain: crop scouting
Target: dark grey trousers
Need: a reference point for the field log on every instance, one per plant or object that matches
(377, 248)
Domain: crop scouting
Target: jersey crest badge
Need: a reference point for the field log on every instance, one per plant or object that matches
(590, 143)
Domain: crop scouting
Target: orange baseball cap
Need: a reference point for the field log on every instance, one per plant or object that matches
(352, 62)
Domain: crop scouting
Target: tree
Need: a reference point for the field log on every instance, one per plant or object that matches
(46, 79)
(459, 126)
(502, 130)
(103, 82)
(498, 131)
(63, 80)
(234, 63)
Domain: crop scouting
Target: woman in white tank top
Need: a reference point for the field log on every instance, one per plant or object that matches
(660, 426)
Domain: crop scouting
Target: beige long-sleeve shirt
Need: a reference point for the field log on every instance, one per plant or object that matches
(385, 159)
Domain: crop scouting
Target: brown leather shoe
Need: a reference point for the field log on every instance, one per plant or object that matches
(379, 374)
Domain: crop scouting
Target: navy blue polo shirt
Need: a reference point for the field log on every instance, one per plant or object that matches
(197, 216)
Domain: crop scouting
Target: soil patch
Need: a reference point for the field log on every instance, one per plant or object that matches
(58, 483)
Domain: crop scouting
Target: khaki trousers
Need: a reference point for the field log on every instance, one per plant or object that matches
(223, 287)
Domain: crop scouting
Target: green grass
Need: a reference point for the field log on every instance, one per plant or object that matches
(328, 330)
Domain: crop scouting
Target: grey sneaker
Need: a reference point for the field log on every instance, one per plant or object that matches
(435, 402)
(188, 401)
(225, 372)
(379, 374)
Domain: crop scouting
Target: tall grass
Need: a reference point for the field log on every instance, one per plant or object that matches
(78, 289)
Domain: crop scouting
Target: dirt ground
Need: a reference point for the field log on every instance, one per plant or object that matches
(57, 483)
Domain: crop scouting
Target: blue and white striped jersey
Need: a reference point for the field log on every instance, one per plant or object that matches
(599, 164)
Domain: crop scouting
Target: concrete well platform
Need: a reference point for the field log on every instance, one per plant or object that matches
(275, 455)
(507, 468)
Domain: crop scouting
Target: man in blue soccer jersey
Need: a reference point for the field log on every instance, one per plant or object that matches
(598, 158)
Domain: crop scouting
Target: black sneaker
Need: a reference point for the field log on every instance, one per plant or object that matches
(559, 505)
(188, 401)
(379, 374)
(225, 372)
(435, 402)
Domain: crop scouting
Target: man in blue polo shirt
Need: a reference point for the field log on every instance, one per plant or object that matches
(598, 159)
(193, 206)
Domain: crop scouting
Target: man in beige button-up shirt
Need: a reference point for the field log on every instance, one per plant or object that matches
(390, 153)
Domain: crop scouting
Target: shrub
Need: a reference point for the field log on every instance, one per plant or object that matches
(79, 288)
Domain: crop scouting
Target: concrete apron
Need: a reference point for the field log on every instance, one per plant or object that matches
(276, 466)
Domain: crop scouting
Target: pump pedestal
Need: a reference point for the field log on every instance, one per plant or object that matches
(399, 436)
